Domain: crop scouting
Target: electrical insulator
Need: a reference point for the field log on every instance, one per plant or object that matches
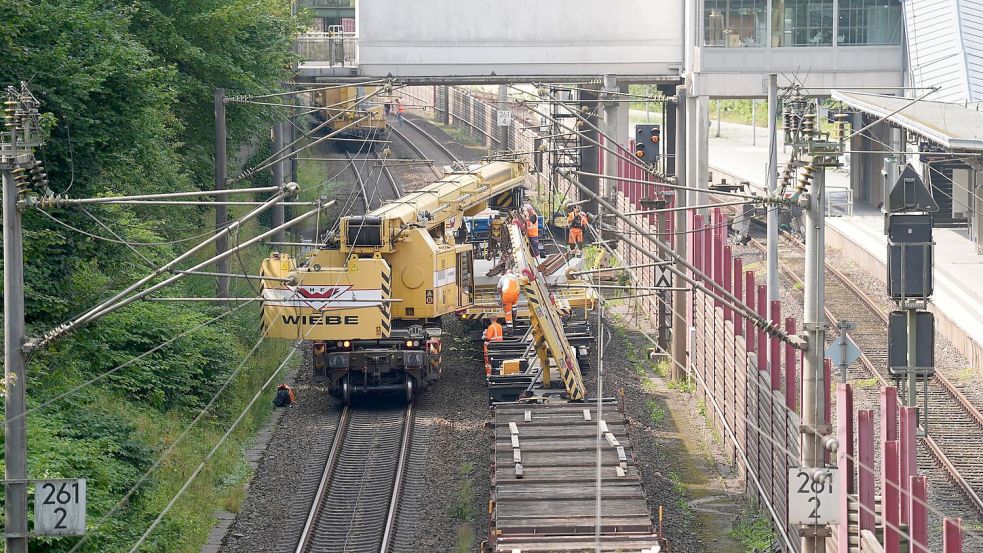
(579, 124)
(10, 113)
(808, 124)
(386, 152)
(840, 123)
(805, 178)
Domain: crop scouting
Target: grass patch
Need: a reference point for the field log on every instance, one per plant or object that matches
(967, 374)
(679, 488)
(866, 383)
(463, 506)
(657, 413)
(465, 539)
(753, 530)
(683, 385)
(754, 266)
(798, 286)
(662, 368)
(462, 509)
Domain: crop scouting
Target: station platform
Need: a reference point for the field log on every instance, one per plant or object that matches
(957, 302)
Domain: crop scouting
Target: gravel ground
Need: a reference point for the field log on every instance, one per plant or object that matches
(700, 495)
(458, 478)
(299, 446)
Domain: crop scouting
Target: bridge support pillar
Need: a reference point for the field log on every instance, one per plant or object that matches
(590, 154)
(698, 148)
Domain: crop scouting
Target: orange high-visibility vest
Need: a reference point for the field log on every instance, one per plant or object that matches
(532, 226)
(494, 333)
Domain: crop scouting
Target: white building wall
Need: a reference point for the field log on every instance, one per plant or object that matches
(519, 37)
(935, 50)
(971, 20)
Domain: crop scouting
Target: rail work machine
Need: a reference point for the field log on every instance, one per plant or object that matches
(369, 301)
(346, 105)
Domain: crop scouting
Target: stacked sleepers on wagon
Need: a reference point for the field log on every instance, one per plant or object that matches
(544, 482)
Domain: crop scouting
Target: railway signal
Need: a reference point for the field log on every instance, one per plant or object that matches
(647, 139)
(908, 226)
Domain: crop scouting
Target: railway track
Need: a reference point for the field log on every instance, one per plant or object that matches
(358, 180)
(356, 505)
(364, 180)
(449, 157)
(955, 425)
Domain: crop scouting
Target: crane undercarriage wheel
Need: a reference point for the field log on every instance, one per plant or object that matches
(409, 389)
(346, 391)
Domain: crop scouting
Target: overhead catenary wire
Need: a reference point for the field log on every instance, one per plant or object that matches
(211, 453)
(721, 293)
(129, 362)
(777, 445)
(92, 529)
(715, 406)
(117, 300)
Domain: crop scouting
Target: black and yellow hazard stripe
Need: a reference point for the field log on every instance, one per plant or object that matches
(385, 307)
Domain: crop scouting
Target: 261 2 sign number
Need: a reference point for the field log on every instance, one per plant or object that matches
(813, 500)
(59, 507)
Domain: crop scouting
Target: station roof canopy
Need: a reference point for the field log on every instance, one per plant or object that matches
(953, 126)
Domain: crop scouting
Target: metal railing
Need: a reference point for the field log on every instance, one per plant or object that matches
(839, 202)
(331, 49)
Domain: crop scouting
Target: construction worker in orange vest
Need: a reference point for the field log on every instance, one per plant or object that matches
(576, 223)
(508, 291)
(492, 333)
(532, 231)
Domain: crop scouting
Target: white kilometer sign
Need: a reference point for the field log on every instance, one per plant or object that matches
(812, 502)
(504, 118)
(59, 507)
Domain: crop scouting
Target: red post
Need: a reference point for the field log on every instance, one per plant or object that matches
(750, 335)
(952, 535)
(708, 251)
(774, 358)
(698, 244)
(728, 279)
(889, 413)
(828, 400)
(844, 459)
(762, 308)
(791, 389)
(844, 434)
(865, 468)
(739, 294)
(907, 457)
(890, 502)
(718, 253)
(917, 506)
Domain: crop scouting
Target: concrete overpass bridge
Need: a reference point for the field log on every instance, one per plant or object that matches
(719, 48)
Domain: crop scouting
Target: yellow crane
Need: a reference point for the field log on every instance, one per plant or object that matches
(369, 302)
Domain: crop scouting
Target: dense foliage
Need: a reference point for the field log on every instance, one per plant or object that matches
(127, 87)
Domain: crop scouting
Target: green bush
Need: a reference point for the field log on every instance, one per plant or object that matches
(126, 91)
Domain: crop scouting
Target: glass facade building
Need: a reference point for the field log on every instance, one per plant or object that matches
(800, 23)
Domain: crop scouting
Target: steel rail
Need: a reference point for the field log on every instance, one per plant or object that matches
(358, 178)
(404, 455)
(416, 149)
(397, 190)
(322, 488)
(446, 151)
(933, 447)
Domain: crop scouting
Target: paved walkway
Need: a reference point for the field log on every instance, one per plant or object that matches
(737, 153)
(958, 268)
